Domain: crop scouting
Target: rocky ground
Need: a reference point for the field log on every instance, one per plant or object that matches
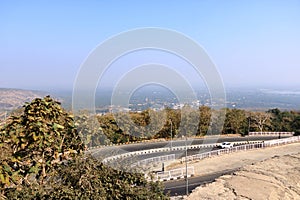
(274, 175)
(13, 98)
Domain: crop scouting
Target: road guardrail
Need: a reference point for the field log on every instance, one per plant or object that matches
(166, 149)
(175, 174)
(283, 134)
(154, 160)
(246, 147)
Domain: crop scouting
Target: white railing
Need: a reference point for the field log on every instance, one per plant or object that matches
(154, 160)
(271, 134)
(246, 147)
(175, 174)
(157, 150)
(167, 149)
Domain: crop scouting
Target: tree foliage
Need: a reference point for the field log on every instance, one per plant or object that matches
(42, 158)
(87, 178)
(204, 121)
(235, 121)
(37, 139)
(261, 120)
(193, 122)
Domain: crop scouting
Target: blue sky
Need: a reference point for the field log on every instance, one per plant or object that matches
(252, 43)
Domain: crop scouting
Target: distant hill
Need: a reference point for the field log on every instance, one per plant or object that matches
(11, 99)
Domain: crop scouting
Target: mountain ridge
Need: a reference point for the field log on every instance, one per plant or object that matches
(11, 98)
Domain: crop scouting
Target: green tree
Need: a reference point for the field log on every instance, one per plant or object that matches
(172, 116)
(235, 121)
(189, 121)
(281, 120)
(87, 178)
(42, 158)
(295, 125)
(205, 119)
(112, 131)
(39, 137)
(217, 122)
(89, 129)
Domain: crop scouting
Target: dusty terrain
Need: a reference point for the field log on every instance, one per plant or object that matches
(272, 173)
(13, 98)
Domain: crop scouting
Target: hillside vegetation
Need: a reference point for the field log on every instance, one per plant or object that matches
(42, 157)
(122, 128)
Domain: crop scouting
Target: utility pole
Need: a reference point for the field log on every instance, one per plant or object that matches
(248, 125)
(186, 170)
(171, 133)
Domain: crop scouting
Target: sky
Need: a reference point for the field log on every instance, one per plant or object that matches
(252, 43)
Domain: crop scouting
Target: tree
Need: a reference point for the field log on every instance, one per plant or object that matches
(39, 137)
(172, 116)
(204, 121)
(217, 122)
(281, 121)
(87, 178)
(189, 121)
(296, 124)
(112, 131)
(235, 121)
(261, 120)
(90, 131)
(147, 123)
(42, 158)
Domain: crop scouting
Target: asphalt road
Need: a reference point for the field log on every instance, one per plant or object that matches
(108, 151)
(178, 187)
(146, 145)
(178, 153)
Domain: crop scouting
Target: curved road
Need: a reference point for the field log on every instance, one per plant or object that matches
(102, 153)
(113, 150)
(146, 145)
(179, 187)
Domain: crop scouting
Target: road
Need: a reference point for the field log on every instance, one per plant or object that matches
(108, 151)
(178, 187)
(146, 145)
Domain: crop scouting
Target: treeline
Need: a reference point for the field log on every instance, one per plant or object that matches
(149, 124)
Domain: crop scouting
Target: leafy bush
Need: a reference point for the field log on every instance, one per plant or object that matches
(42, 158)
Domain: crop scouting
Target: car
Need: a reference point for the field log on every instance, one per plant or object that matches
(226, 145)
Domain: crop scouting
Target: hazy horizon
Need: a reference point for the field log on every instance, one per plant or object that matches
(253, 44)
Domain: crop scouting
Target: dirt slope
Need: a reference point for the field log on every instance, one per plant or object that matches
(273, 178)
